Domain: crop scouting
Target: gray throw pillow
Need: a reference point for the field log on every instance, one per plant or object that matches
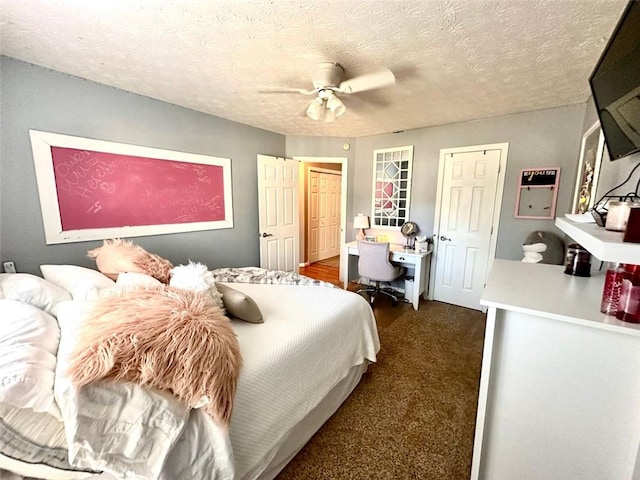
(239, 304)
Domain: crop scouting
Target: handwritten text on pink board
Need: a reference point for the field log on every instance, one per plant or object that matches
(104, 190)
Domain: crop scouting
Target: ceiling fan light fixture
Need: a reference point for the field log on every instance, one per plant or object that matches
(328, 116)
(315, 109)
(328, 81)
(335, 105)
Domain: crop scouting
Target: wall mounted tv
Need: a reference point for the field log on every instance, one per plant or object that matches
(615, 84)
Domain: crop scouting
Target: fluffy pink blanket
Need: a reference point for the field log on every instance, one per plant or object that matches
(165, 338)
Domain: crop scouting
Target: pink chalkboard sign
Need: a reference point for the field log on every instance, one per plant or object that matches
(537, 193)
(91, 189)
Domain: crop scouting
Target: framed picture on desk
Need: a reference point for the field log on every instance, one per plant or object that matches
(369, 238)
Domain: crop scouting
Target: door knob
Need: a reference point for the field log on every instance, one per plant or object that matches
(444, 239)
(267, 235)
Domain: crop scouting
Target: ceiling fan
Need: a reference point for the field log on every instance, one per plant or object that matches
(328, 83)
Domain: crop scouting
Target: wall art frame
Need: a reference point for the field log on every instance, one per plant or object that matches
(537, 193)
(93, 189)
(591, 151)
(391, 188)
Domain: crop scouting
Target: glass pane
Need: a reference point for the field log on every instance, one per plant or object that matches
(391, 170)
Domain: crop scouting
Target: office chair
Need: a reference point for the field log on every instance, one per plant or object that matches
(374, 264)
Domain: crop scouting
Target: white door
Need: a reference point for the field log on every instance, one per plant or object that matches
(313, 217)
(323, 233)
(470, 197)
(278, 213)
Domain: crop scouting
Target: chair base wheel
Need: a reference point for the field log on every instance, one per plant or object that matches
(372, 293)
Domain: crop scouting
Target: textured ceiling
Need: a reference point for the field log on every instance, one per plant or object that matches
(454, 60)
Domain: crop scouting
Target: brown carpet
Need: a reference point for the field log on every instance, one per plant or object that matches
(413, 414)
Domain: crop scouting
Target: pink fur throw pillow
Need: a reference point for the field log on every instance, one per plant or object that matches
(166, 338)
(118, 256)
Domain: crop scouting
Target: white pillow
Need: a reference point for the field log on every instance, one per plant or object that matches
(83, 283)
(28, 344)
(36, 291)
(128, 281)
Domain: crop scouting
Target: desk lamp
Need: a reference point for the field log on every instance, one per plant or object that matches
(361, 222)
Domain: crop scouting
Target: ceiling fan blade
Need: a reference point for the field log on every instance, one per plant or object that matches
(286, 90)
(369, 81)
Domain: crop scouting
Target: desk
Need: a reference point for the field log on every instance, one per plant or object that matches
(410, 259)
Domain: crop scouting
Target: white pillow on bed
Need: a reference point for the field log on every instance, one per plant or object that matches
(36, 291)
(28, 344)
(83, 283)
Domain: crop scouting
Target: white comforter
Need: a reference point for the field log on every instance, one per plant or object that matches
(310, 338)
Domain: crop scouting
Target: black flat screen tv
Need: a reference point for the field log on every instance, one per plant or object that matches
(615, 84)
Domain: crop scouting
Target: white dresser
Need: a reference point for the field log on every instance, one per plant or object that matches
(560, 384)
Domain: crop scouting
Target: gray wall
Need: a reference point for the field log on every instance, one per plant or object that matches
(545, 138)
(36, 98)
(541, 138)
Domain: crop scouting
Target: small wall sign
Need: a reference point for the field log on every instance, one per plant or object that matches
(537, 193)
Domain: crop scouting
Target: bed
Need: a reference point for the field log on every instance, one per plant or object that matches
(310, 351)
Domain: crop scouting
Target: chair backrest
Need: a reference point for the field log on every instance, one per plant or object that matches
(373, 261)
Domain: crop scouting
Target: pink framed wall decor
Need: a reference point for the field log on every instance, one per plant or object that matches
(92, 189)
(537, 193)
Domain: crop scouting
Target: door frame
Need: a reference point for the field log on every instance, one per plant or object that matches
(497, 207)
(344, 161)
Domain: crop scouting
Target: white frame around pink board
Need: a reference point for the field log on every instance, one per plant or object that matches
(42, 143)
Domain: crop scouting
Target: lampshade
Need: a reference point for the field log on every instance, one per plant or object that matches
(326, 107)
(328, 115)
(335, 105)
(361, 221)
(315, 109)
